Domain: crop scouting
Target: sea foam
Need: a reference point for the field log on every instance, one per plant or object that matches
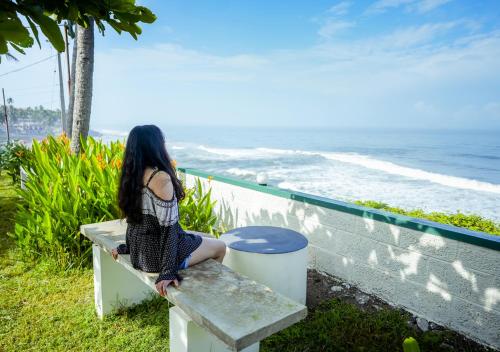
(360, 160)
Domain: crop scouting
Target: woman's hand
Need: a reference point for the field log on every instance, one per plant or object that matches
(114, 253)
(161, 286)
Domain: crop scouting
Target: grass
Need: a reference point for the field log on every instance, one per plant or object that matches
(469, 221)
(46, 310)
(340, 326)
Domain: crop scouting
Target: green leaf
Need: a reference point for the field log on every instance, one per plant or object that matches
(72, 15)
(410, 345)
(115, 25)
(51, 30)
(147, 16)
(3, 46)
(17, 48)
(12, 29)
(34, 30)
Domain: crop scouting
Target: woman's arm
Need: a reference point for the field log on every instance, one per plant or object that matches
(163, 188)
(168, 253)
(122, 248)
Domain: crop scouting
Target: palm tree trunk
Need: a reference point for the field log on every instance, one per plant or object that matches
(83, 85)
(69, 121)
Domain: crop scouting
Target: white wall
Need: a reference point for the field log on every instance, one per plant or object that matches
(447, 281)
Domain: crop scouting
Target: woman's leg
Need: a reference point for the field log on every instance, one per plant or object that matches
(209, 248)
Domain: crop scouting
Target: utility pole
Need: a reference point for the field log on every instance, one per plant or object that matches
(6, 119)
(61, 91)
(67, 58)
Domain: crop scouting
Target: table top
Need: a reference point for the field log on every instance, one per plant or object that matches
(264, 239)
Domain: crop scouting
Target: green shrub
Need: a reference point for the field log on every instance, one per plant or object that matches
(13, 155)
(472, 222)
(196, 210)
(65, 190)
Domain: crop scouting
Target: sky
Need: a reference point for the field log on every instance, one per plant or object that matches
(335, 64)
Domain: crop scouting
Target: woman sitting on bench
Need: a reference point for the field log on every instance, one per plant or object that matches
(148, 197)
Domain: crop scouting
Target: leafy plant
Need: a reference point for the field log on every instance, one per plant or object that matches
(197, 210)
(472, 222)
(65, 190)
(13, 155)
(410, 345)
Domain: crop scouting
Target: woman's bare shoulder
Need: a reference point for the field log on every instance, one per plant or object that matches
(161, 184)
(163, 176)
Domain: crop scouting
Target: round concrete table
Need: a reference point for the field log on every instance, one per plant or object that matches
(273, 256)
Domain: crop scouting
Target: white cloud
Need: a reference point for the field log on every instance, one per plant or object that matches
(330, 22)
(382, 5)
(429, 5)
(332, 27)
(412, 36)
(373, 81)
(420, 6)
(340, 9)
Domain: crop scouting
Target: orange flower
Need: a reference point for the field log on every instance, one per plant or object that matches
(63, 138)
(44, 145)
(210, 178)
(116, 163)
(174, 163)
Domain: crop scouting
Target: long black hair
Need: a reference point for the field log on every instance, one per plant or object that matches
(145, 147)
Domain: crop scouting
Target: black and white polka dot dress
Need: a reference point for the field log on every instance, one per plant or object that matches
(158, 244)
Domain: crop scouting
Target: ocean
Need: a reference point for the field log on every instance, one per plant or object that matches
(433, 170)
(445, 171)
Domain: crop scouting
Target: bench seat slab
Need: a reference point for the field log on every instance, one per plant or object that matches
(235, 309)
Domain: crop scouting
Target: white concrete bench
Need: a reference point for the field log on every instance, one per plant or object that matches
(215, 309)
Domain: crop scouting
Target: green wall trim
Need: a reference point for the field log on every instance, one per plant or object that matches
(448, 231)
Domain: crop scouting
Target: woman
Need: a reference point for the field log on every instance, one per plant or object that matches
(148, 197)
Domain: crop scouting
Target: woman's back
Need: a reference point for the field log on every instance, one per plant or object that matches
(158, 198)
(158, 243)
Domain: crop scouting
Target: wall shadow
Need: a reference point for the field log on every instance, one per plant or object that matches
(410, 267)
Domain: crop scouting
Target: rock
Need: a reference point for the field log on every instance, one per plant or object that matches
(346, 285)
(361, 298)
(377, 307)
(434, 326)
(423, 324)
(446, 346)
(336, 288)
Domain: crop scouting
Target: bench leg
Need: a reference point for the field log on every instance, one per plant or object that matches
(187, 336)
(115, 286)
